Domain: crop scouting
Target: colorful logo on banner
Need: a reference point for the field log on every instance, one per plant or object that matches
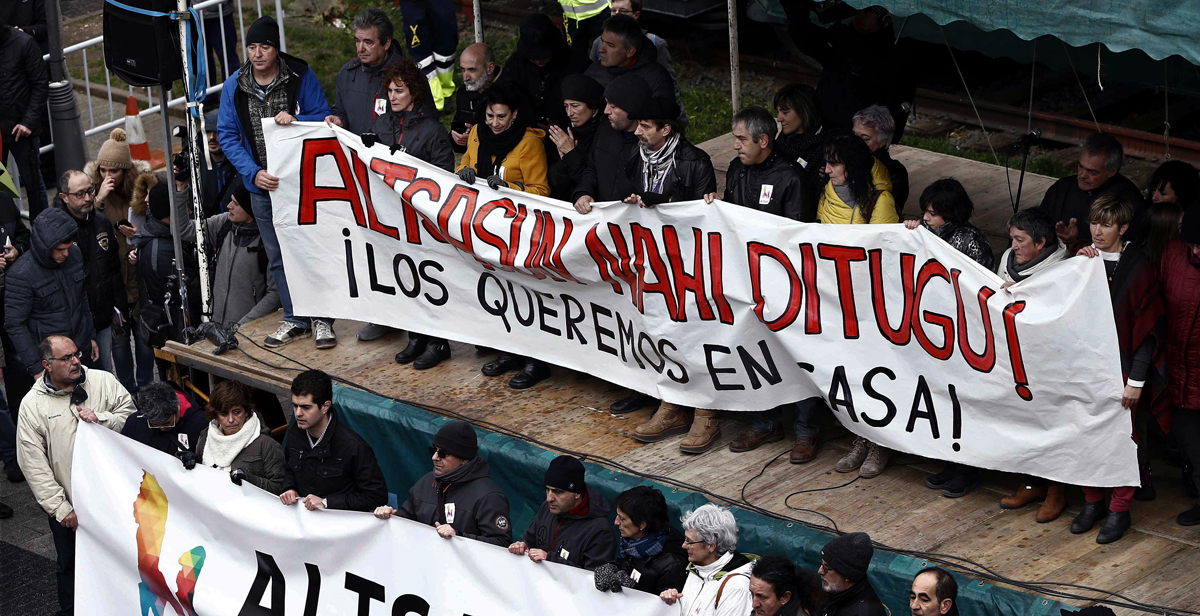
(150, 513)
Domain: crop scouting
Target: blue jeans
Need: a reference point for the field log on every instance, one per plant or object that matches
(266, 230)
(808, 420)
(8, 432)
(104, 340)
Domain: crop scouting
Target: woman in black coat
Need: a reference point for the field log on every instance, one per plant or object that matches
(405, 127)
(583, 101)
(651, 557)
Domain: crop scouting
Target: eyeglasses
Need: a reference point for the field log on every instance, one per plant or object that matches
(163, 426)
(687, 543)
(621, 11)
(68, 358)
(80, 194)
(437, 451)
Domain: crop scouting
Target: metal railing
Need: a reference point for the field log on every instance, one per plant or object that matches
(209, 9)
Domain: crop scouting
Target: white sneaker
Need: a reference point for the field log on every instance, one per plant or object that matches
(288, 332)
(323, 332)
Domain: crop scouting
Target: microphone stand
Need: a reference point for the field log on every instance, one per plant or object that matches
(1026, 143)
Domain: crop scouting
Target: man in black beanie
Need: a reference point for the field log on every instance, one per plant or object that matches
(844, 563)
(572, 526)
(603, 177)
(459, 496)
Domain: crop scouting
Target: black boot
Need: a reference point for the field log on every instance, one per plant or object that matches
(1087, 518)
(1191, 517)
(965, 479)
(1114, 527)
(502, 364)
(1146, 492)
(938, 480)
(5, 511)
(13, 471)
(437, 351)
(635, 401)
(1189, 481)
(416, 346)
(535, 372)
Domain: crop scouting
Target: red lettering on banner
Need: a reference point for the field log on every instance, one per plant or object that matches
(556, 261)
(544, 259)
(508, 251)
(902, 333)
(608, 265)
(360, 172)
(536, 244)
(458, 195)
(842, 257)
(812, 312)
(716, 272)
(392, 172)
(755, 252)
(683, 281)
(646, 251)
(311, 194)
(1014, 349)
(928, 271)
(413, 233)
(985, 361)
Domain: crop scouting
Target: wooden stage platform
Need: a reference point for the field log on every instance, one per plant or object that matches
(1157, 562)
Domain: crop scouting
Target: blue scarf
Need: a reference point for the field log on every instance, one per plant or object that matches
(648, 545)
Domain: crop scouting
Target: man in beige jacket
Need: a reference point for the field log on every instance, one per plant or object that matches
(63, 395)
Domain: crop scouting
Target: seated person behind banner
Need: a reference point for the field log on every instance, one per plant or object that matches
(571, 527)
(1141, 325)
(758, 177)
(1175, 181)
(243, 289)
(780, 588)
(166, 420)
(719, 584)
(844, 564)
(650, 557)
(458, 497)
(1035, 247)
(326, 464)
(238, 441)
(859, 190)
(875, 126)
(947, 209)
(934, 593)
(583, 101)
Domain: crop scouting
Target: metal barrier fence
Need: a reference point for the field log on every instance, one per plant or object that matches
(209, 10)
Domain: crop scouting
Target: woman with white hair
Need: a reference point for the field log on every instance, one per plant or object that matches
(718, 576)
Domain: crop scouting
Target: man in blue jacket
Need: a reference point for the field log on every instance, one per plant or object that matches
(270, 85)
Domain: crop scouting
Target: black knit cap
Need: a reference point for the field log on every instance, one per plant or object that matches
(627, 91)
(654, 108)
(1189, 229)
(579, 87)
(160, 201)
(849, 555)
(566, 473)
(264, 30)
(457, 438)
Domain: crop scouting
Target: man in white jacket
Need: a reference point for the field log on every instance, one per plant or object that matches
(63, 396)
(718, 576)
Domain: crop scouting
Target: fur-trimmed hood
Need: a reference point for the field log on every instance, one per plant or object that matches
(143, 180)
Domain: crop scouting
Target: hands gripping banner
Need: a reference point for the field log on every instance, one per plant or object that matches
(158, 540)
(914, 346)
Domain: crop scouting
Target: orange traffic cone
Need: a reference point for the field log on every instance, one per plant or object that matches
(135, 136)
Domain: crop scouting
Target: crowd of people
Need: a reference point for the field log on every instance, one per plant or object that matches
(586, 116)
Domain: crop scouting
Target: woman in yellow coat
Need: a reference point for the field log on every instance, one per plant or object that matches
(504, 149)
(859, 189)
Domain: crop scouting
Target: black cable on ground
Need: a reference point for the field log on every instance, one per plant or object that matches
(961, 564)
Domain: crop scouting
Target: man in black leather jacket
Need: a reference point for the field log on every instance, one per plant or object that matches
(758, 178)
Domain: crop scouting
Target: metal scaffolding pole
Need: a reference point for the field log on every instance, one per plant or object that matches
(735, 75)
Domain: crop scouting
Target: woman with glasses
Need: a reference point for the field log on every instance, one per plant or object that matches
(458, 497)
(718, 580)
(166, 420)
(238, 441)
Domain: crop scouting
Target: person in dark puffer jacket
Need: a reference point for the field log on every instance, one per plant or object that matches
(406, 126)
(583, 99)
(571, 527)
(651, 557)
(46, 293)
(458, 497)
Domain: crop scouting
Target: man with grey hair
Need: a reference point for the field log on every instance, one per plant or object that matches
(1069, 201)
(875, 126)
(759, 178)
(479, 71)
(166, 420)
(718, 581)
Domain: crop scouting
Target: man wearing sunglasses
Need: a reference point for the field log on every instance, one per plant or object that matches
(459, 496)
(326, 464)
(66, 394)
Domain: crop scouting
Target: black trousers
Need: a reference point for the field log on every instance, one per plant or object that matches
(1187, 431)
(64, 545)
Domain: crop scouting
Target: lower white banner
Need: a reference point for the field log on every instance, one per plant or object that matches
(915, 346)
(155, 539)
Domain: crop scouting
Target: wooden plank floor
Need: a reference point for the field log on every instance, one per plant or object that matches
(1158, 561)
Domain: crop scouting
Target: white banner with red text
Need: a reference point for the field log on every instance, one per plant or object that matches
(915, 346)
(153, 535)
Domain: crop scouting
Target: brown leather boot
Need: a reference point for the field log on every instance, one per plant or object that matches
(667, 421)
(1056, 501)
(753, 439)
(1024, 496)
(805, 450)
(706, 429)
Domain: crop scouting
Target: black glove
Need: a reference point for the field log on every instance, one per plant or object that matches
(495, 182)
(188, 458)
(236, 476)
(609, 578)
(467, 175)
(222, 337)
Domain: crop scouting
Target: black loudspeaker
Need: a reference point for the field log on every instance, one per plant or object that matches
(142, 50)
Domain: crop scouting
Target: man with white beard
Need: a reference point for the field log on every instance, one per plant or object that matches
(479, 71)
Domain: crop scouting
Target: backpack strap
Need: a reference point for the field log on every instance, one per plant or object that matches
(725, 581)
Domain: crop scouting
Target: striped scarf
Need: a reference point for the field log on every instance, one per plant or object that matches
(657, 165)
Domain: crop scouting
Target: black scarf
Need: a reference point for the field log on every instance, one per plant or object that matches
(494, 148)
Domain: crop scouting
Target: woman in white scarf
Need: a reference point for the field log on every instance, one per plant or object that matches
(237, 442)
